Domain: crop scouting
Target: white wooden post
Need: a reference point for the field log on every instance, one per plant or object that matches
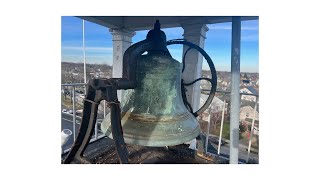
(121, 39)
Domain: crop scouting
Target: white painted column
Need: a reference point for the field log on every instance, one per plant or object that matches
(195, 33)
(121, 39)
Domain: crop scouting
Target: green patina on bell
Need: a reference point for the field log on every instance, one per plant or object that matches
(153, 114)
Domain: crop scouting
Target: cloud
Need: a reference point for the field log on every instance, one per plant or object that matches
(91, 48)
(249, 28)
(229, 27)
(250, 37)
(174, 32)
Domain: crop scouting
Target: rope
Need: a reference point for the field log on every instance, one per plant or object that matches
(88, 100)
(112, 102)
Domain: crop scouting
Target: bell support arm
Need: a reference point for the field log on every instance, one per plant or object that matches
(98, 90)
(213, 81)
(106, 89)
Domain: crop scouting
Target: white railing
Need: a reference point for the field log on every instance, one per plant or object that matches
(222, 121)
(97, 136)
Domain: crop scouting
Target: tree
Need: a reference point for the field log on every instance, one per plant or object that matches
(215, 119)
(243, 127)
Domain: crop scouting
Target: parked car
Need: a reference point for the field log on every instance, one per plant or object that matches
(64, 110)
(70, 112)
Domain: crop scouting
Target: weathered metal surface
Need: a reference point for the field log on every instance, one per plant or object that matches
(86, 127)
(153, 114)
(98, 90)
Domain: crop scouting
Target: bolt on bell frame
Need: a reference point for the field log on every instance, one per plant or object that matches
(106, 89)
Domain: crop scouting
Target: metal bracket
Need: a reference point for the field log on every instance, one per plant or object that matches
(213, 81)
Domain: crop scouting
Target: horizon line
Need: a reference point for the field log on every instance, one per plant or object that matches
(111, 65)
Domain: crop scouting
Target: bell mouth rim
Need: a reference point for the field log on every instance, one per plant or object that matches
(165, 141)
(165, 137)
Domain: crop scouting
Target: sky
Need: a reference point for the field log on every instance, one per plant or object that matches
(98, 43)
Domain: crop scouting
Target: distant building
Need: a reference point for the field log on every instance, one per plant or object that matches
(248, 112)
(248, 90)
(245, 79)
(224, 83)
(216, 106)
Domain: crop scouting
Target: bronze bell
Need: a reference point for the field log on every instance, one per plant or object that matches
(153, 114)
(153, 111)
